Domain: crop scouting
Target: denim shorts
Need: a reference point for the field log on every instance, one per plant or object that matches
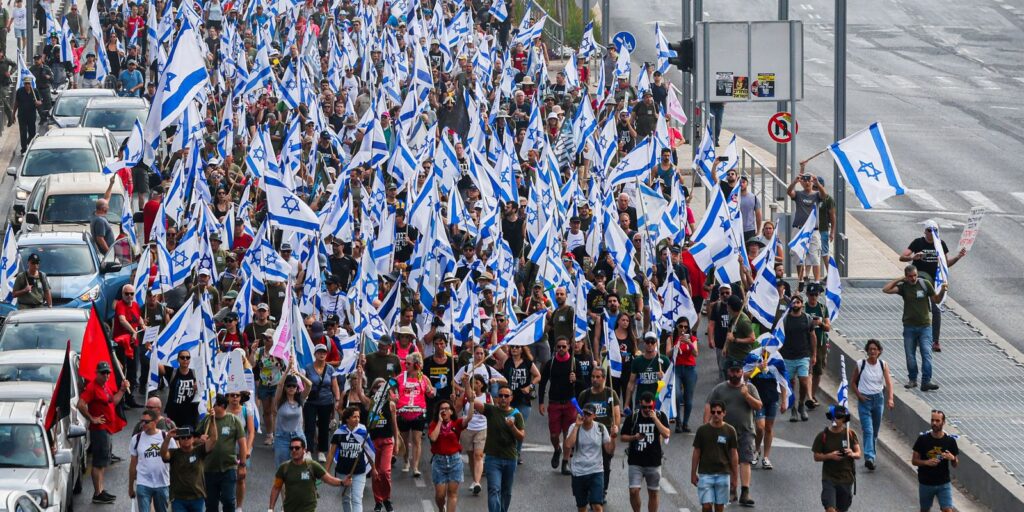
(927, 494)
(445, 469)
(265, 392)
(798, 367)
(769, 409)
(638, 474)
(588, 489)
(713, 489)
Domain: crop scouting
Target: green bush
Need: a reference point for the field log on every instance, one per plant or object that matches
(573, 25)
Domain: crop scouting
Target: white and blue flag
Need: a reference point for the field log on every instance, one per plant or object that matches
(801, 242)
(833, 290)
(10, 265)
(867, 165)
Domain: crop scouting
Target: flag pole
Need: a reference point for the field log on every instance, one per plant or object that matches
(812, 157)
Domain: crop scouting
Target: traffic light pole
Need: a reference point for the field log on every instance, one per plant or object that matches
(687, 85)
(839, 118)
(780, 149)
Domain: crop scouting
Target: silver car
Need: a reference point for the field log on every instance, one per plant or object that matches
(52, 155)
(67, 110)
(101, 138)
(115, 114)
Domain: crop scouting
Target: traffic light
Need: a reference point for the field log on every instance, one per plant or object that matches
(685, 55)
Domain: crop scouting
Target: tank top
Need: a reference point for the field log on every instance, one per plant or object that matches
(402, 352)
(412, 396)
(182, 391)
(872, 378)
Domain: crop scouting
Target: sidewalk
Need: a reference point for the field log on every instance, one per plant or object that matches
(979, 372)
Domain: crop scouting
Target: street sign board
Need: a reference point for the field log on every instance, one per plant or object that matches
(781, 127)
(749, 61)
(626, 39)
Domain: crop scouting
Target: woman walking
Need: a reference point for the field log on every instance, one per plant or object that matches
(352, 456)
(870, 379)
(383, 431)
(237, 406)
(319, 406)
(684, 345)
(522, 376)
(446, 462)
(288, 412)
(413, 390)
(475, 436)
(625, 336)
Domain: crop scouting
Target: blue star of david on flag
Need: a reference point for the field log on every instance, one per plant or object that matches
(290, 204)
(869, 170)
(179, 259)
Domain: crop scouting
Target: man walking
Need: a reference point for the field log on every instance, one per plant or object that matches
(226, 462)
(31, 287)
(298, 478)
(741, 400)
(645, 430)
(934, 452)
(505, 428)
(921, 253)
(187, 466)
(25, 105)
(149, 476)
(837, 447)
(714, 466)
(97, 406)
(586, 444)
(800, 352)
(607, 411)
(918, 296)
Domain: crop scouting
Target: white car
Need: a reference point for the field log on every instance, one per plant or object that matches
(67, 109)
(52, 155)
(28, 460)
(18, 501)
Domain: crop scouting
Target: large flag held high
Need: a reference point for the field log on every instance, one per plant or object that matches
(868, 166)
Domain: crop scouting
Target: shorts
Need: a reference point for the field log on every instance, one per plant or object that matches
(927, 493)
(265, 392)
(140, 180)
(474, 440)
(797, 367)
(837, 496)
(99, 448)
(560, 417)
(652, 474)
(445, 469)
(419, 424)
(813, 250)
(769, 408)
(588, 489)
(713, 489)
(745, 446)
(19, 33)
(819, 364)
(824, 243)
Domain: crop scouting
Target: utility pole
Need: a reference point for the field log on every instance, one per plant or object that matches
(839, 129)
(698, 17)
(780, 149)
(687, 85)
(606, 22)
(30, 46)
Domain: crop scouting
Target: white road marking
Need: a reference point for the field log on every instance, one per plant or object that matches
(782, 443)
(1003, 107)
(863, 81)
(903, 82)
(684, 509)
(924, 199)
(979, 199)
(538, 448)
(1019, 79)
(820, 78)
(984, 83)
(428, 506)
(1019, 196)
(667, 486)
(945, 81)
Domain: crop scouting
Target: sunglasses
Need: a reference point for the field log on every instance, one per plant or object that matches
(718, 412)
(504, 395)
(234, 395)
(295, 448)
(184, 358)
(292, 386)
(562, 347)
(650, 342)
(648, 407)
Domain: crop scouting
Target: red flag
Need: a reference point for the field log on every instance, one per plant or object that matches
(96, 348)
(60, 401)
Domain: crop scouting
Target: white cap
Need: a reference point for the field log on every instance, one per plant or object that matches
(930, 224)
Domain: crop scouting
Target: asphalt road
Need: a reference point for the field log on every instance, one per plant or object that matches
(792, 485)
(943, 77)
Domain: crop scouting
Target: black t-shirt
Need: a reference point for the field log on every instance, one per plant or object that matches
(512, 232)
(596, 300)
(440, 375)
(405, 238)
(798, 337)
(720, 315)
(343, 269)
(383, 429)
(928, 447)
(350, 452)
(929, 262)
(518, 377)
(645, 451)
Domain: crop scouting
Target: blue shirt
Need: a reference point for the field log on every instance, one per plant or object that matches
(130, 79)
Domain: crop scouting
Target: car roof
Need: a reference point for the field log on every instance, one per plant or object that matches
(95, 92)
(39, 315)
(21, 412)
(61, 142)
(116, 103)
(71, 183)
(34, 356)
(26, 391)
(78, 131)
(57, 237)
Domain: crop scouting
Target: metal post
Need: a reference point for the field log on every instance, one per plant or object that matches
(586, 12)
(30, 43)
(606, 24)
(793, 169)
(780, 149)
(687, 84)
(698, 17)
(839, 129)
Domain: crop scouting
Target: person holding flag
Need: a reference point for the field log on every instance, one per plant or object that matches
(741, 400)
(923, 253)
(837, 447)
(97, 405)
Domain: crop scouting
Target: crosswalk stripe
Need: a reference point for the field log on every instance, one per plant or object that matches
(428, 506)
(820, 78)
(1019, 196)
(945, 82)
(863, 81)
(667, 486)
(419, 482)
(902, 82)
(924, 199)
(979, 199)
(984, 83)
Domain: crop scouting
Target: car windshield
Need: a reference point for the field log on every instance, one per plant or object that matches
(115, 120)
(43, 162)
(29, 372)
(41, 335)
(78, 208)
(61, 260)
(22, 446)
(70, 106)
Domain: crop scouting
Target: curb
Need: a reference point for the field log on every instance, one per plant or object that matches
(980, 474)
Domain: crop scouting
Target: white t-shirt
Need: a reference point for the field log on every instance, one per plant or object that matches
(151, 470)
(19, 18)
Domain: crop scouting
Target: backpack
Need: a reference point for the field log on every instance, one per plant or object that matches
(860, 371)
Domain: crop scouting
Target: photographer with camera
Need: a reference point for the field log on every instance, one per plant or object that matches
(837, 447)
(812, 193)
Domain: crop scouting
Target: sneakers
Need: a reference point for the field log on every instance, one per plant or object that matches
(269, 441)
(803, 415)
(388, 506)
(745, 498)
(793, 415)
(114, 459)
(811, 404)
(565, 467)
(910, 385)
(686, 429)
(929, 386)
(416, 473)
(757, 457)
(379, 507)
(104, 498)
(476, 488)
(679, 428)
(766, 464)
(555, 457)
(406, 467)
(870, 464)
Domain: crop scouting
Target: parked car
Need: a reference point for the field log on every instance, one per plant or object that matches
(52, 155)
(43, 328)
(24, 369)
(66, 202)
(33, 460)
(67, 109)
(18, 501)
(115, 114)
(78, 276)
(101, 138)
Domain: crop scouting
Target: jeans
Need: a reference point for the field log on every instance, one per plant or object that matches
(927, 494)
(158, 496)
(686, 382)
(525, 411)
(196, 505)
(316, 421)
(500, 475)
(282, 440)
(384, 448)
(352, 496)
(936, 322)
(220, 490)
(870, 411)
(918, 338)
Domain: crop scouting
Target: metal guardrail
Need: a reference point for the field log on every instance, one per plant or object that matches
(764, 183)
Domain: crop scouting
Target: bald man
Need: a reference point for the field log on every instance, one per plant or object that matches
(622, 206)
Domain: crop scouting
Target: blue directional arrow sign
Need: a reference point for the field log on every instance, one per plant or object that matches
(624, 38)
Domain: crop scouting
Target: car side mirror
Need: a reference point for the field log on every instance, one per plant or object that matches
(10, 171)
(63, 457)
(110, 267)
(76, 431)
(32, 218)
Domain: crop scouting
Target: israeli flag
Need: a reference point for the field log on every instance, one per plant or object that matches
(183, 77)
(132, 151)
(128, 223)
(942, 271)
(67, 53)
(833, 290)
(843, 392)
(714, 245)
(287, 211)
(610, 343)
(10, 265)
(526, 333)
(528, 33)
(801, 242)
(868, 166)
(634, 165)
(704, 160)
(623, 65)
(588, 45)
(23, 71)
(677, 302)
(763, 300)
(661, 47)
(498, 11)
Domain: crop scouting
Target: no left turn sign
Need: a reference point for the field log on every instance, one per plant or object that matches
(781, 127)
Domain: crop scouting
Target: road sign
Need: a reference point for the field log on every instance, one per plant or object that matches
(624, 38)
(779, 127)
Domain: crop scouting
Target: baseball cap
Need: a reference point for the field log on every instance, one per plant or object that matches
(320, 347)
(102, 367)
(33, 258)
(263, 305)
(385, 340)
